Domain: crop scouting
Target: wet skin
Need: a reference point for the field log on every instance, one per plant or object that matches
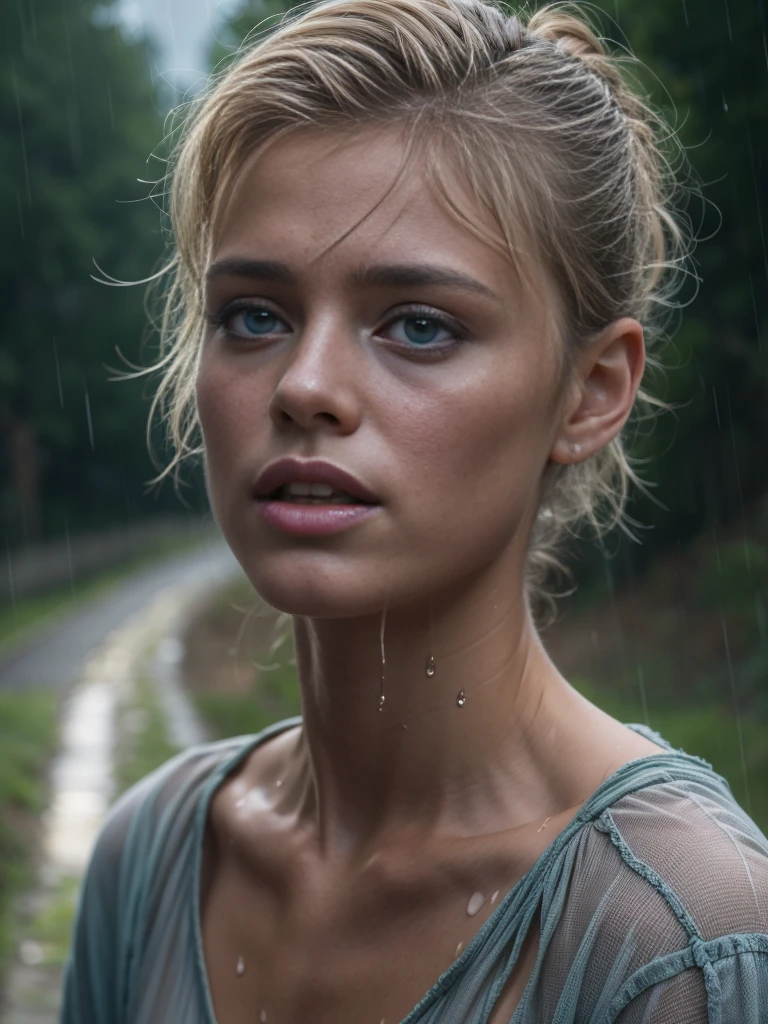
(340, 859)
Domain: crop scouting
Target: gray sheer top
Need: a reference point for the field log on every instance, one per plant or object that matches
(652, 906)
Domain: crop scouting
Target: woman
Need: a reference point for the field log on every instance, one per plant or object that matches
(418, 243)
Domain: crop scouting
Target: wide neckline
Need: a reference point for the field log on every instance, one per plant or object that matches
(584, 815)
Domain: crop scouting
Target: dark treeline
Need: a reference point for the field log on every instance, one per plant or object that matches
(78, 119)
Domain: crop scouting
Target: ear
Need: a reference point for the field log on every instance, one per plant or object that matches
(606, 379)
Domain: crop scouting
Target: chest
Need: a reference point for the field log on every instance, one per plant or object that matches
(339, 955)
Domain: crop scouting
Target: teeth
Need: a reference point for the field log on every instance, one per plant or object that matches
(297, 490)
(314, 493)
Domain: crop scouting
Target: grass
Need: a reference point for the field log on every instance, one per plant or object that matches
(27, 615)
(28, 739)
(143, 742)
(275, 696)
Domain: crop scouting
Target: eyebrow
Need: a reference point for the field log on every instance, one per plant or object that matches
(381, 275)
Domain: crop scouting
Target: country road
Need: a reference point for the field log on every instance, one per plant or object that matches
(54, 657)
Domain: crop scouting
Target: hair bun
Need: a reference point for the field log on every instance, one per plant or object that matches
(569, 33)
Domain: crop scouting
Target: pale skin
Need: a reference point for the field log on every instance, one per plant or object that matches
(345, 888)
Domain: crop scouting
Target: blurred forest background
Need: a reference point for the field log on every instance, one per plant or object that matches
(80, 116)
(673, 630)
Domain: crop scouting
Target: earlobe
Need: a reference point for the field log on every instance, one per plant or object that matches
(608, 377)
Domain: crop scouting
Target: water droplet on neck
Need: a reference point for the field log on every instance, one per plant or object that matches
(279, 782)
(461, 700)
(542, 826)
(263, 1016)
(459, 949)
(476, 900)
(382, 701)
(495, 896)
(430, 669)
(240, 969)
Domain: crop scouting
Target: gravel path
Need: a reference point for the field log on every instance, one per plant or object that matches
(54, 658)
(95, 654)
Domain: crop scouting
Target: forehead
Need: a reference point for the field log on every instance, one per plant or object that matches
(313, 189)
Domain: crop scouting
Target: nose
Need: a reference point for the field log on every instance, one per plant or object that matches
(317, 386)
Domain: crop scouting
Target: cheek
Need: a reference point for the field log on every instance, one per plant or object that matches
(482, 444)
(230, 410)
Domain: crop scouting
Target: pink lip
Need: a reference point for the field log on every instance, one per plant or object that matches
(313, 520)
(311, 471)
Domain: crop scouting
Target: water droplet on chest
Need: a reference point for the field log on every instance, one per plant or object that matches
(430, 669)
(476, 900)
(263, 1016)
(461, 700)
(240, 969)
(382, 701)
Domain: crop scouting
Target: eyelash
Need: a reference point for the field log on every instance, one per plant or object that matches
(221, 319)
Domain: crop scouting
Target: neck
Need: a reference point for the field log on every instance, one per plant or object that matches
(445, 751)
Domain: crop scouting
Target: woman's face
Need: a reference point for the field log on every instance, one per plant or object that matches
(436, 395)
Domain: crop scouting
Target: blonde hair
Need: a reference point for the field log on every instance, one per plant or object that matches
(555, 139)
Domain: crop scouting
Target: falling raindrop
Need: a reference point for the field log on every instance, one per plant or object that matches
(382, 698)
(21, 134)
(736, 712)
(476, 900)
(641, 684)
(685, 14)
(240, 969)
(461, 700)
(725, 102)
(728, 19)
(430, 669)
(88, 416)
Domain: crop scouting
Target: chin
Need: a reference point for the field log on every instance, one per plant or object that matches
(313, 587)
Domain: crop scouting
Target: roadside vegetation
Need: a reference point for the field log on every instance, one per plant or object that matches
(28, 738)
(142, 736)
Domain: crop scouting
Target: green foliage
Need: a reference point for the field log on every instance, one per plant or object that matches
(28, 735)
(274, 696)
(143, 742)
(736, 749)
(707, 73)
(78, 120)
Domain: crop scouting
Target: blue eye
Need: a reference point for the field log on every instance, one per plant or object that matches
(423, 331)
(256, 321)
(246, 321)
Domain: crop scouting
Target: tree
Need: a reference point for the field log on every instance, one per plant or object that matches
(78, 119)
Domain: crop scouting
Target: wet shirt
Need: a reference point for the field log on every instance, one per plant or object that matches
(652, 906)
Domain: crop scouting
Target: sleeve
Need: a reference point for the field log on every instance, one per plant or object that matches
(735, 991)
